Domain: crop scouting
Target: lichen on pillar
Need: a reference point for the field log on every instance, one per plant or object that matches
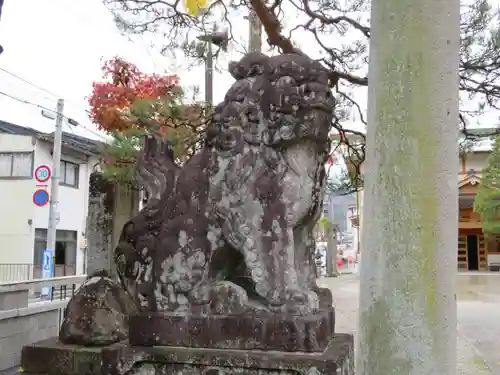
(407, 304)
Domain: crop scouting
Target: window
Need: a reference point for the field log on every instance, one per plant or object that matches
(16, 165)
(65, 251)
(69, 174)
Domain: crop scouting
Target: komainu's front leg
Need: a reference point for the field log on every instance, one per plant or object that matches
(305, 263)
(300, 299)
(268, 250)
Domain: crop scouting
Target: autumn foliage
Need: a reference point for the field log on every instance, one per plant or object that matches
(129, 104)
(124, 85)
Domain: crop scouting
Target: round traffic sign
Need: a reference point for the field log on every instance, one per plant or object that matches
(42, 173)
(41, 197)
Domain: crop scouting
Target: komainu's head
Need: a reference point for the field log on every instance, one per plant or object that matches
(277, 101)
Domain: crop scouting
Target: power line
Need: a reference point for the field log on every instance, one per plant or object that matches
(24, 101)
(70, 120)
(29, 83)
(41, 88)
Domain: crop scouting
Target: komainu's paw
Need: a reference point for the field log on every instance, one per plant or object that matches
(301, 302)
(228, 298)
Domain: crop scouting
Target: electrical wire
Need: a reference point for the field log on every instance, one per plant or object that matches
(28, 82)
(42, 89)
(70, 120)
(24, 101)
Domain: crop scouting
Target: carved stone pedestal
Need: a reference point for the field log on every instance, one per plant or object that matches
(262, 331)
(53, 358)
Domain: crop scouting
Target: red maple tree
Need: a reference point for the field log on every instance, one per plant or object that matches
(124, 85)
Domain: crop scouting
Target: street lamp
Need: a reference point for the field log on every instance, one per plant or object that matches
(219, 39)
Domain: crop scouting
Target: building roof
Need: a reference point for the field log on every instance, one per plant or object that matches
(72, 141)
(479, 139)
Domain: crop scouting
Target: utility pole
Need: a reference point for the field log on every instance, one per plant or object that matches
(1, 6)
(54, 182)
(255, 32)
(209, 76)
(331, 250)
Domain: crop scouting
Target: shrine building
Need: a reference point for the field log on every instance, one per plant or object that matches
(475, 250)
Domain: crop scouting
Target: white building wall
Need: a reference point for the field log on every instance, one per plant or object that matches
(73, 202)
(17, 208)
(476, 161)
(20, 216)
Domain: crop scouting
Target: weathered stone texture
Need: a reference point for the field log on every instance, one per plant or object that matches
(217, 272)
(97, 314)
(50, 357)
(99, 256)
(337, 357)
(287, 333)
(242, 210)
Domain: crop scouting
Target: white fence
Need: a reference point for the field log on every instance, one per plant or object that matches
(27, 271)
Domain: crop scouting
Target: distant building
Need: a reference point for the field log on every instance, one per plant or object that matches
(23, 225)
(338, 207)
(475, 250)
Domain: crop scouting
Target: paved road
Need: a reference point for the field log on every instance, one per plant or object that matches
(478, 305)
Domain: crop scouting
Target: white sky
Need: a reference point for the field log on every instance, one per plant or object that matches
(59, 45)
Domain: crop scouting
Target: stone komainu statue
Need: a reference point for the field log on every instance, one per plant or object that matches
(231, 230)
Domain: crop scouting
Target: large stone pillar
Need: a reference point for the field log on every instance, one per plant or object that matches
(125, 207)
(99, 226)
(407, 298)
(99, 254)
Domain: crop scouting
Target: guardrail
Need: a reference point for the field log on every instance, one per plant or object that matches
(21, 293)
(27, 271)
(25, 319)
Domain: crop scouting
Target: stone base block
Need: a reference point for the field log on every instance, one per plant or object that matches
(50, 357)
(279, 332)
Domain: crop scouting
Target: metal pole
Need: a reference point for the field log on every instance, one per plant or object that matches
(358, 212)
(54, 182)
(255, 32)
(331, 261)
(209, 75)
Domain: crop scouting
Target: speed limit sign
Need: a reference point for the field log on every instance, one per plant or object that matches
(42, 173)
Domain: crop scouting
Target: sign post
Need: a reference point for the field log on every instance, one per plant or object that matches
(42, 174)
(41, 195)
(47, 270)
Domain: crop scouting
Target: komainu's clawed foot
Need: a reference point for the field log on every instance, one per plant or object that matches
(301, 302)
(227, 298)
(199, 297)
(298, 302)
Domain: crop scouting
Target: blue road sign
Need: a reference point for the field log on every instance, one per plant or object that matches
(47, 269)
(41, 197)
